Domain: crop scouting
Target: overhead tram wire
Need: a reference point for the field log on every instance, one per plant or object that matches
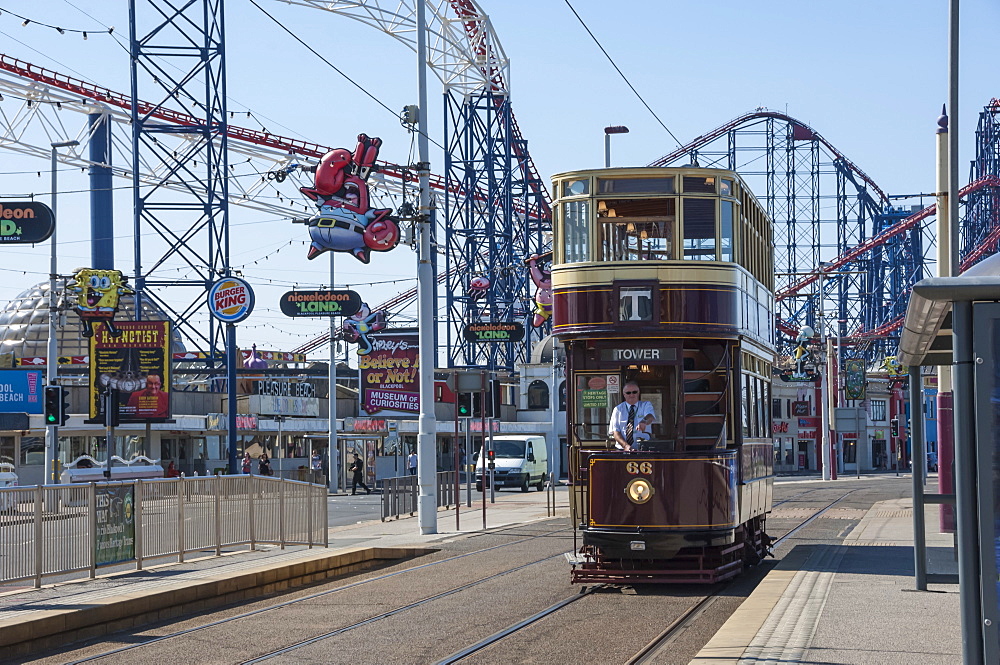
(335, 68)
(620, 73)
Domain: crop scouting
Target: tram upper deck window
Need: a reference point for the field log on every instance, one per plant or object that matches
(699, 229)
(635, 185)
(576, 187)
(699, 185)
(726, 231)
(725, 187)
(636, 229)
(576, 235)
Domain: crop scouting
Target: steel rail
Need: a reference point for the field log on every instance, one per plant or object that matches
(649, 652)
(496, 637)
(385, 615)
(312, 596)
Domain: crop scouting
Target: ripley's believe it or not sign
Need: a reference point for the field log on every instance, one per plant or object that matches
(390, 374)
(230, 300)
(320, 303)
(23, 222)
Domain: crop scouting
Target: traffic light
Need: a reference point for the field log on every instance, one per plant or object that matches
(491, 459)
(53, 405)
(493, 399)
(64, 402)
(894, 427)
(464, 405)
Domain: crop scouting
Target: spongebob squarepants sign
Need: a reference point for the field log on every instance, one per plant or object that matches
(98, 294)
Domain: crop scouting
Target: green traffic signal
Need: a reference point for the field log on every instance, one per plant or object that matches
(53, 405)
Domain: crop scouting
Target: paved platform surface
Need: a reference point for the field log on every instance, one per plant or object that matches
(850, 604)
(37, 619)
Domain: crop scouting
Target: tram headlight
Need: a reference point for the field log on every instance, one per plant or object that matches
(639, 490)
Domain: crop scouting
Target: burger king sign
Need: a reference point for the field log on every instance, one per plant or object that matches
(230, 300)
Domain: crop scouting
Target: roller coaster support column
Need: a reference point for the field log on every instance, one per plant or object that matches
(831, 403)
(426, 437)
(826, 369)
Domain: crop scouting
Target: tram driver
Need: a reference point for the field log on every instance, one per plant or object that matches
(631, 419)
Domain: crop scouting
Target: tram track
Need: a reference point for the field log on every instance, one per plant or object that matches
(645, 655)
(314, 596)
(652, 650)
(385, 615)
(655, 647)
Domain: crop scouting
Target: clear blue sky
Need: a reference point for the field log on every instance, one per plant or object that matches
(869, 76)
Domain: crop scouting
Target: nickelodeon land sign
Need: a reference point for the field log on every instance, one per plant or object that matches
(23, 222)
(230, 300)
(320, 303)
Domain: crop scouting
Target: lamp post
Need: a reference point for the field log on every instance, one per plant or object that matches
(52, 360)
(427, 422)
(608, 131)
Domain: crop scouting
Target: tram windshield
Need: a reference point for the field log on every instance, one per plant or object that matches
(598, 393)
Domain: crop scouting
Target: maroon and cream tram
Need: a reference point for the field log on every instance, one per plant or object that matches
(664, 277)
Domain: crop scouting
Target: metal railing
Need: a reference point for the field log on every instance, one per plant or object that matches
(399, 495)
(62, 529)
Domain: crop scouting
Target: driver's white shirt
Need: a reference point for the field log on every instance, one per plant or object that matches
(619, 418)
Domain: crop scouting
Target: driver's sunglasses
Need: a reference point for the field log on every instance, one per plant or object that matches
(631, 392)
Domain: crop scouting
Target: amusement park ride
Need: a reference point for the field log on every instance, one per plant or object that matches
(492, 206)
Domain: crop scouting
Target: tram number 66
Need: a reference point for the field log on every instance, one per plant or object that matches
(645, 468)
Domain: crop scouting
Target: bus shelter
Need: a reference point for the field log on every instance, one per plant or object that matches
(955, 321)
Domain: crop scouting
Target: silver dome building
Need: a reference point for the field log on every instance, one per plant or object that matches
(24, 323)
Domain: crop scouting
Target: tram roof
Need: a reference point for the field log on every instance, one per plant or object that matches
(927, 328)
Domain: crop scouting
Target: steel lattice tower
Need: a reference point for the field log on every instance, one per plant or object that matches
(980, 228)
(822, 206)
(491, 235)
(178, 58)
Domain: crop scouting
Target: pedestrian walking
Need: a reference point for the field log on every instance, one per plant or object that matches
(247, 463)
(412, 463)
(357, 469)
(317, 466)
(264, 464)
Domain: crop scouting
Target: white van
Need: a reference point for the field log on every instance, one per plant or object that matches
(8, 478)
(521, 461)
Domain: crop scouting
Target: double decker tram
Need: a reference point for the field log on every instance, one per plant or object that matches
(663, 278)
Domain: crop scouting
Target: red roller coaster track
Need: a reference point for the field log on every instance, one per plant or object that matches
(292, 146)
(903, 226)
(801, 131)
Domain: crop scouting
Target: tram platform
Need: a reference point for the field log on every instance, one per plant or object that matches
(35, 620)
(853, 603)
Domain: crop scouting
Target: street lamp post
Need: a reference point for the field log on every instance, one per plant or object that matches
(608, 131)
(52, 361)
